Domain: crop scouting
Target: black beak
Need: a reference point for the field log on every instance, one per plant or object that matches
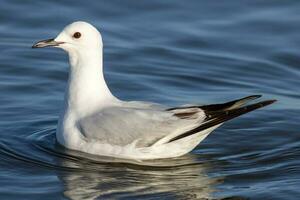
(47, 43)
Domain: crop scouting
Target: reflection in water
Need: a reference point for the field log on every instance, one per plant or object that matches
(167, 178)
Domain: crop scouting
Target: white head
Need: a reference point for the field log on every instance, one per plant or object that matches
(75, 37)
(86, 86)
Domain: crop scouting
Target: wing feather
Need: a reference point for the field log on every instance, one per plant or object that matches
(125, 125)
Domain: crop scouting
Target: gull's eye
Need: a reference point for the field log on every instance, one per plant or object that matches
(77, 35)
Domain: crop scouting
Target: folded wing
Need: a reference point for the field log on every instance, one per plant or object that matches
(143, 127)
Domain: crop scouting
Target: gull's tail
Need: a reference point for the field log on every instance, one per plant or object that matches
(219, 113)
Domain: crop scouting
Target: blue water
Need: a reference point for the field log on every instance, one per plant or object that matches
(171, 52)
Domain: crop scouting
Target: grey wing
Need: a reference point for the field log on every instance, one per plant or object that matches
(125, 125)
(147, 125)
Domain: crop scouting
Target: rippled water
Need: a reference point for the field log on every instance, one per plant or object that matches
(171, 52)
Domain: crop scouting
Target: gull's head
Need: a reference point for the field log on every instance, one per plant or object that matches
(75, 37)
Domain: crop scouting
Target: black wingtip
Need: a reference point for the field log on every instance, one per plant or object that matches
(231, 104)
(248, 98)
(267, 102)
(256, 96)
(217, 117)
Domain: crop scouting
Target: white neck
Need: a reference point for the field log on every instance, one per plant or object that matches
(86, 89)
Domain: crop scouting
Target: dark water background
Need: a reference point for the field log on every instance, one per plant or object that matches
(171, 52)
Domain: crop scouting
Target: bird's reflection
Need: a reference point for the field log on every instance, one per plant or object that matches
(105, 178)
(85, 176)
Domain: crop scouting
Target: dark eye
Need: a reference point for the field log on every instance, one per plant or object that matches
(77, 35)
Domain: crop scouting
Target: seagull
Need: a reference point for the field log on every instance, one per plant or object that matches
(94, 121)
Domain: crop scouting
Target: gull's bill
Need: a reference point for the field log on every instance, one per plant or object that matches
(47, 43)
